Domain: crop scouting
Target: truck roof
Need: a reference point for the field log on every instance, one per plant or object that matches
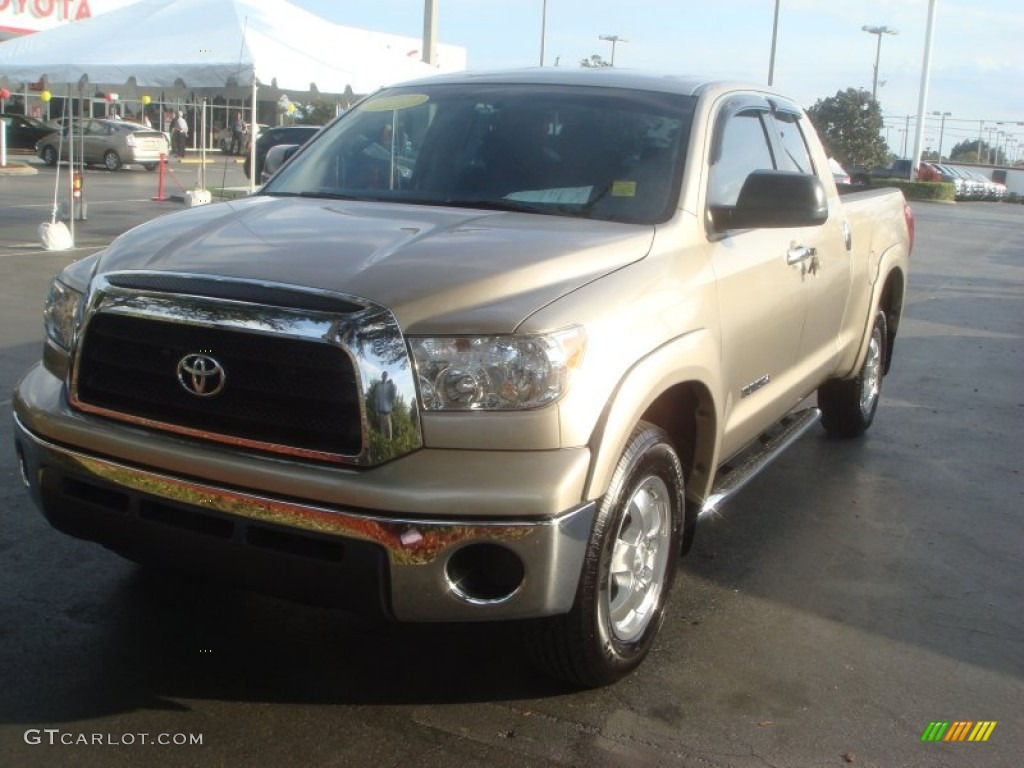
(606, 77)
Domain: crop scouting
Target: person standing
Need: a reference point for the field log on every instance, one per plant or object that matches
(179, 134)
(237, 135)
(385, 404)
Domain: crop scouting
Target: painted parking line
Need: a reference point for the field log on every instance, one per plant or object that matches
(48, 206)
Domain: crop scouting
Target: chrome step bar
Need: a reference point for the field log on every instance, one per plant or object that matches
(762, 452)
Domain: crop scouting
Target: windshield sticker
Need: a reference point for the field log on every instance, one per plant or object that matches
(397, 102)
(571, 195)
(623, 189)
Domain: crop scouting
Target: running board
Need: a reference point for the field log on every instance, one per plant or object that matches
(757, 456)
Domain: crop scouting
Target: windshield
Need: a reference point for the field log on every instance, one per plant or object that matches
(573, 151)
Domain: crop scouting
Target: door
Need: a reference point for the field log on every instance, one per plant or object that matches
(828, 270)
(760, 286)
(96, 140)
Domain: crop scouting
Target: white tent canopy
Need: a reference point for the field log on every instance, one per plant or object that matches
(218, 44)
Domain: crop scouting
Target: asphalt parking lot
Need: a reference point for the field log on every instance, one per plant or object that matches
(853, 594)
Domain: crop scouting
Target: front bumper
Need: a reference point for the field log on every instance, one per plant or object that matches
(409, 566)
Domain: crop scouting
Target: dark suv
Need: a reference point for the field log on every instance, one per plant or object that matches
(281, 134)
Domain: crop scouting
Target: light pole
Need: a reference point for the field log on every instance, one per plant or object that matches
(430, 32)
(879, 31)
(543, 29)
(942, 128)
(613, 39)
(775, 35)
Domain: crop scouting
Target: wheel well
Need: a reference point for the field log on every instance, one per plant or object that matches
(686, 413)
(892, 304)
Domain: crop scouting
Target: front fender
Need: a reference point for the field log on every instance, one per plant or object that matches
(688, 363)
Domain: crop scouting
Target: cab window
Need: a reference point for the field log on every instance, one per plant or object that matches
(743, 146)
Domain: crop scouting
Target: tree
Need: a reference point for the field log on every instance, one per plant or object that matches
(976, 151)
(594, 62)
(319, 112)
(850, 127)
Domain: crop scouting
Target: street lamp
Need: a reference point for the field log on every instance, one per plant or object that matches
(879, 31)
(613, 39)
(775, 35)
(543, 28)
(942, 127)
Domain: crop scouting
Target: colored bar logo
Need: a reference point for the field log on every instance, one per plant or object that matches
(959, 730)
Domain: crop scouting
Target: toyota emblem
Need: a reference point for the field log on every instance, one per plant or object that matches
(201, 375)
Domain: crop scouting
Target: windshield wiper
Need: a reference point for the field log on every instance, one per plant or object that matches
(318, 195)
(497, 205)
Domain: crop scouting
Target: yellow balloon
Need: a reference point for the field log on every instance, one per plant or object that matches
(146, 99)
(291, 108)
(45, 95)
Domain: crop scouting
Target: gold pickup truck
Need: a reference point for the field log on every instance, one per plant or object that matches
(484, 349)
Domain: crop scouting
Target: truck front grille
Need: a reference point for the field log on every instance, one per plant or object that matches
(282, 394)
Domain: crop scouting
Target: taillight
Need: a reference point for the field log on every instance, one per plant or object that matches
(130, 140)
(908, 215)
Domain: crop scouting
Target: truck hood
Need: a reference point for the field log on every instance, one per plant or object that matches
(439, 270)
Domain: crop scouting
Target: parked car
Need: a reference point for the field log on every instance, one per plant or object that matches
(111, 143)
(900, 169)
(23, 132)
(990, 190)
(274, 159)
(970, 187)
(939, 173)
(838, 172)
(280, 134)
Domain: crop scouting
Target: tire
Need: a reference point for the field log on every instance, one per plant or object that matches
(149, 166)
(111, 161)
(49, 155)
(848, 406)
(628, 570)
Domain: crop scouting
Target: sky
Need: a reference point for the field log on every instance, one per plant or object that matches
(977, 54)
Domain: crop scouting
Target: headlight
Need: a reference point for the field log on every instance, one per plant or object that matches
(61, 313)
(465, 373)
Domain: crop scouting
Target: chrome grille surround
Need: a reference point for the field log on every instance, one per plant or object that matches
(357, 338)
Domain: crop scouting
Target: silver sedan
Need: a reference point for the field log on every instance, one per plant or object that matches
(111, 143)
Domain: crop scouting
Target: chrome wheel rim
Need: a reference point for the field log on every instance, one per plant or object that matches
(639, 559)
(871, 379)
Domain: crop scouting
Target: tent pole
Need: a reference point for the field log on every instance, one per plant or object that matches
(252, 140)
(70, 120)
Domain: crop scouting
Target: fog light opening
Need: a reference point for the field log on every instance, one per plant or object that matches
(485, 573)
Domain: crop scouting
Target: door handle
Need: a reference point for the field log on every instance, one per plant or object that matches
(800, 253)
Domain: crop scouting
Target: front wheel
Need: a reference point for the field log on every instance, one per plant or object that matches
(628, 570)
(49, 155)
(848, 406)
(111, 161)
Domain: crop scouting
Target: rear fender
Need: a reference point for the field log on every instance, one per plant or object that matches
(888, 285)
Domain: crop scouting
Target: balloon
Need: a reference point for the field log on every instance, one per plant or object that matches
(45, 95)
(146, 99)
(4, 93)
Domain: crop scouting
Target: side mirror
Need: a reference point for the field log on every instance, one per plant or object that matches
(276, 157)
(776, 199)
